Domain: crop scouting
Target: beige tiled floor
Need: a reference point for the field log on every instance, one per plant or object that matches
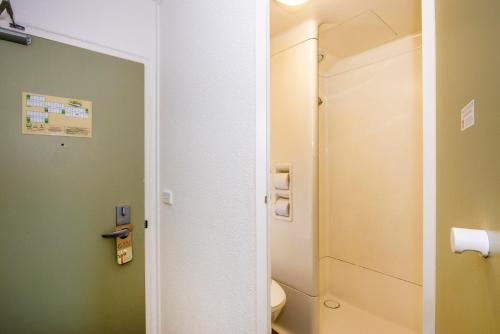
(351, 320)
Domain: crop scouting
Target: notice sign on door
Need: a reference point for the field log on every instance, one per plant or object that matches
(56, 116)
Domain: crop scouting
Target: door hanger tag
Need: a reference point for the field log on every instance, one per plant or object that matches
(124, 245)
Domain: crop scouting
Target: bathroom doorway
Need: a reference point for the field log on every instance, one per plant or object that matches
(346, 159)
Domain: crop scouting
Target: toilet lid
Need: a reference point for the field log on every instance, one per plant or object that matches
(278, 296)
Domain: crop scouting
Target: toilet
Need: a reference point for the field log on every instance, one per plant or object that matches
(278, 299)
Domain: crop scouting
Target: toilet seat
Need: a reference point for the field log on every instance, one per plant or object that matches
(278, 296)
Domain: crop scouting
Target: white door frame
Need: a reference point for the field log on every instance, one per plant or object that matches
(151, 115)
(429, 166)
(263, 269)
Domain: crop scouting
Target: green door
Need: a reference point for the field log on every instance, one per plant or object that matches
(58, 195)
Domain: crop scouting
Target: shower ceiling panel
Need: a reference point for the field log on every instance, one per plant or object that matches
(403, 16)
(356, 35)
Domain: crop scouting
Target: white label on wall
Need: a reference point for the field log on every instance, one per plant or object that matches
(467, 116)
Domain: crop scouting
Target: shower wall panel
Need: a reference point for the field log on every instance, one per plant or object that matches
(294, 142)
(371, 180)
(294, 99)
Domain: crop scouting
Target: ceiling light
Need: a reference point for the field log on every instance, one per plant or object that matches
(292, 2)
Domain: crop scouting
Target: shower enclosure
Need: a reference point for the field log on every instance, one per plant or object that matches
(346, 116)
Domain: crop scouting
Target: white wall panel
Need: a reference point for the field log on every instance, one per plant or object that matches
(125, 25)
(207, 148)
(294, 98)
(371, 172)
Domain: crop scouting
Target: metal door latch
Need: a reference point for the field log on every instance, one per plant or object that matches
(122, 234)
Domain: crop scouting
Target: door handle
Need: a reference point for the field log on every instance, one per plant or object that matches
(121, 233)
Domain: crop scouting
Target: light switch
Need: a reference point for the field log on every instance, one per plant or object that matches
(167, 197)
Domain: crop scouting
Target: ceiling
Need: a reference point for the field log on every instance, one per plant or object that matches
(402, 17)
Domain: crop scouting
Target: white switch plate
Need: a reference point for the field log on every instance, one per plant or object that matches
(167, 197)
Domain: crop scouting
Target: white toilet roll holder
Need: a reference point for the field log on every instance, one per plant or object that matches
(282, 192)
(487, 243)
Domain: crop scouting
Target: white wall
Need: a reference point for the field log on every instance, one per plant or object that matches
(371, 149)
(125, 25)
(123, 28)
(208, 138)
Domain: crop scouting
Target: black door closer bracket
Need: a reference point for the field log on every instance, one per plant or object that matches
(6, 5)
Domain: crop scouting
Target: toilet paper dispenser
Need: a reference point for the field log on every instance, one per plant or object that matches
(282, 191)
(281, 180)
(487, 243)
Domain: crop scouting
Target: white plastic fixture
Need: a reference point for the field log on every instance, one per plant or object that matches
(464, 239)
(167, 197)
(278, 299)
(292, 2)
(282, 192)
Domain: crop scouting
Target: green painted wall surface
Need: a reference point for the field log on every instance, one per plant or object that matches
(468, 163)
(57, 275)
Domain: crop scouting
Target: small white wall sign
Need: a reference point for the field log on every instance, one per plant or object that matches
(467, 118)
